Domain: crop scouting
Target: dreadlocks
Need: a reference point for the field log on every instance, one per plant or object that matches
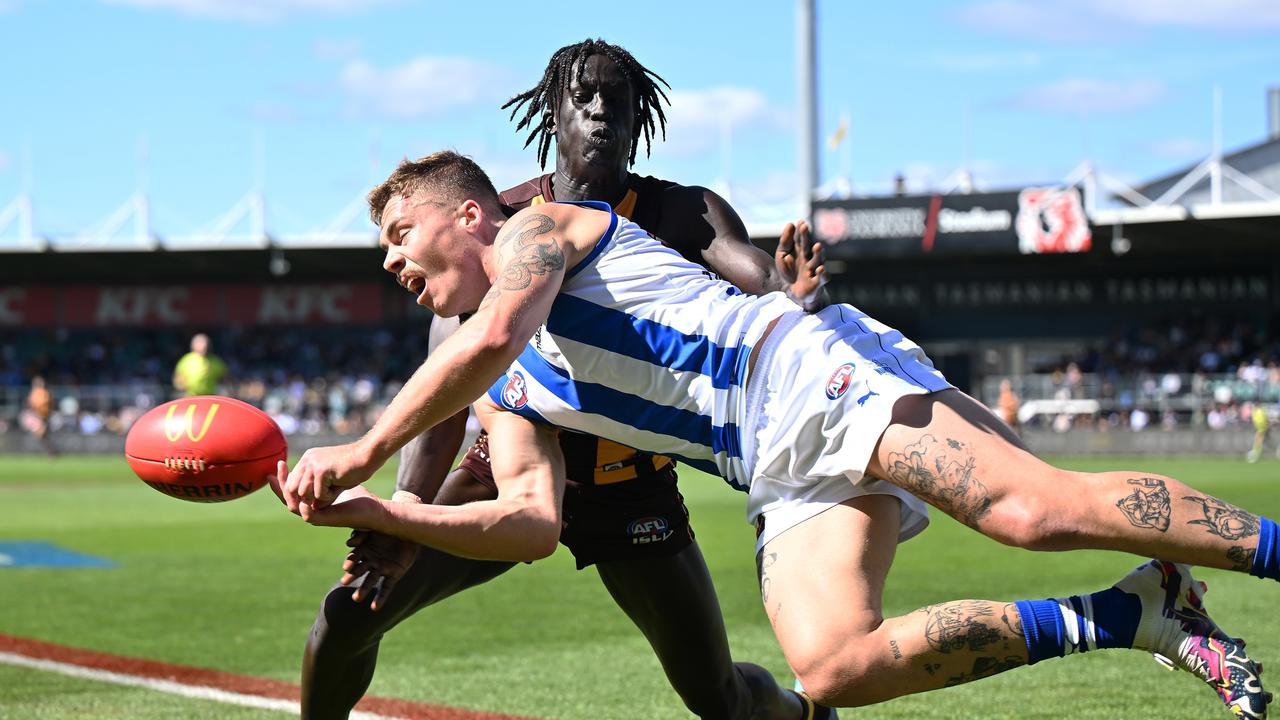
(543, 99)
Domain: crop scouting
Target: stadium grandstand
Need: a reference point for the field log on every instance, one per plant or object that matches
(1004, 289)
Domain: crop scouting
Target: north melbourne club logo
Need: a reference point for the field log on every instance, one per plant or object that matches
(840, 380)
(514, 394)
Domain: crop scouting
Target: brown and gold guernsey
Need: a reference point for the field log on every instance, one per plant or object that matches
(590, 460)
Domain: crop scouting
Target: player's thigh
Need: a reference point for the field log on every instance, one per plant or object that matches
(822, 581)
(672, 599)
(950, 451)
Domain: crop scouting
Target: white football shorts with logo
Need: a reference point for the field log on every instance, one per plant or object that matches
(819, 398)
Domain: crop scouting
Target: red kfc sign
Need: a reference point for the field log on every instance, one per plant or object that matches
(26, 306)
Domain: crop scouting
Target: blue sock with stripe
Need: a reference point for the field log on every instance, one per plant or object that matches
(1080, 623)
(1266, 561)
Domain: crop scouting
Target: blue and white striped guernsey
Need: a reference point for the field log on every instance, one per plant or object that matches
(647, 349)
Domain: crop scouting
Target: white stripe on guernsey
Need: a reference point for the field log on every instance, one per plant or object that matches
(197, 692)
(687, 389)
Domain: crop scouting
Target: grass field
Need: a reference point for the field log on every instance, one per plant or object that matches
(235, 587)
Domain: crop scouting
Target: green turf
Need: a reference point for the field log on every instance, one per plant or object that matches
(235, 587)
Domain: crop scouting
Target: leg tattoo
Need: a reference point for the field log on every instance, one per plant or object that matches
(960, 625)
(1148, 506)
(1224, 519)
(942, 474)
(1241, 558)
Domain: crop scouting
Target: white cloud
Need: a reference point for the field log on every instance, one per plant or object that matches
(250, 10)
(698, 121)
(421, 87)
(1217, 14)
(1079, 20)
(1038, 20)
(1088, 96)
(331, 49)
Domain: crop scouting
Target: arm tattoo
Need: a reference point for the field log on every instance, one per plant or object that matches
(1148, 506)
(942, 475)
(528, 256)
(1224, 519)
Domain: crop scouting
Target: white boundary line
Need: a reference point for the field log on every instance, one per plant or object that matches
(198, 692)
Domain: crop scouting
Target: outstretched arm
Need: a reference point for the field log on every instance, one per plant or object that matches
(530, 260)
(722, 244)
(521, 524)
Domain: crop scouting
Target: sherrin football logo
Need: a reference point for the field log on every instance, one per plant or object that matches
(514, 395)
(840, 381)
(176, 426)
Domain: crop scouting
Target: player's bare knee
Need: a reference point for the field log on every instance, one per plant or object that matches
(832, 676)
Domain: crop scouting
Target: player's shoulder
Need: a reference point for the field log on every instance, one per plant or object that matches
(523, 195)
(648, 185)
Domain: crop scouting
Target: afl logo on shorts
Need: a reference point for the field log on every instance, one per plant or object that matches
(514, 395)
(648, 530)
(840, 381)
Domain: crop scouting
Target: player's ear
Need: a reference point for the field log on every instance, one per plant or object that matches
(470, 213)
(549, 121)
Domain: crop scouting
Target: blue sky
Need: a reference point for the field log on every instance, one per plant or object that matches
(101, 98)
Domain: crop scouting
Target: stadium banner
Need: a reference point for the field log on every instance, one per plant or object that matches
(21, 306)
(1034, 220)
(186, 305)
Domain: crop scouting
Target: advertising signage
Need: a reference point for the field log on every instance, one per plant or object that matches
(1030, 221)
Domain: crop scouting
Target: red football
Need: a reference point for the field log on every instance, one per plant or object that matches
(205, 448)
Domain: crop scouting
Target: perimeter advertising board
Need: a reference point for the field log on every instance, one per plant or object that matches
(1033, 220)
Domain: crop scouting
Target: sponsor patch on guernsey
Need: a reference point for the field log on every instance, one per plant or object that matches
(840, 380)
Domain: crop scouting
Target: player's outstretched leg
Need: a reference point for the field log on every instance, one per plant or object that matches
(342, 648)
(673, 602)
(942, 448)
(822, 582)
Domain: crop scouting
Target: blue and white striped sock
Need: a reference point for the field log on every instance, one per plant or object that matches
(1061, 626)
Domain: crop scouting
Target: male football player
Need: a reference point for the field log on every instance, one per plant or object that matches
(597, 102)
(585, 322)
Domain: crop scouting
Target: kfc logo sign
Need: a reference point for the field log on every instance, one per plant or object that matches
(142, 306)
(1052, 220)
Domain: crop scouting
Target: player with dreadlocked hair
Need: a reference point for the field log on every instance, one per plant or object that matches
(622, 510)
(541, 101)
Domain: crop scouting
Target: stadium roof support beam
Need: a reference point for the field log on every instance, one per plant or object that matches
(104, 236)
(20, 213)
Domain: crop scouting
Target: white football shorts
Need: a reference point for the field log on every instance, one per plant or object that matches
(819, 398)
